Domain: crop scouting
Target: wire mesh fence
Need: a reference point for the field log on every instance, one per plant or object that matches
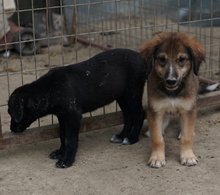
(63, 32)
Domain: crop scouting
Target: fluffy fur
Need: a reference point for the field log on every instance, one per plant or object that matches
(70, 91)
(173, 60)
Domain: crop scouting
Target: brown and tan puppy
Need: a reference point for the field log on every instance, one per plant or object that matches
(174, 60)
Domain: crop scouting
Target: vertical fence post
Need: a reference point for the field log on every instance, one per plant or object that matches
(1, 136)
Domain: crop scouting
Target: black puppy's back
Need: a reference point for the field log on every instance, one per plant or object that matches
(96, 82)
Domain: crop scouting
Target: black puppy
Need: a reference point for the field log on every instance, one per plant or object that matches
(70, 91)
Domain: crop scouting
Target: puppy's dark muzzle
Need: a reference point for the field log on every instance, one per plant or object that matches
(171, 84)
(17, 129)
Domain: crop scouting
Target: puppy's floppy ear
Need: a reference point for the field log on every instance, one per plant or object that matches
(197, 53)
(148, 51)
(16, 105)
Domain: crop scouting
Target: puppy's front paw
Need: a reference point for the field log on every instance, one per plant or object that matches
(126, 141)
(129, 141)
(116, 139)
(179, 136)
(63, 163)
(188, 159)
(157, 160)
(147, 133)
(57, 154)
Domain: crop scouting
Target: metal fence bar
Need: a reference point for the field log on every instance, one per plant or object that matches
(1, 134)
(118, 29)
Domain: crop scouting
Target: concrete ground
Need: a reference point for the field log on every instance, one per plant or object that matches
(104, 168)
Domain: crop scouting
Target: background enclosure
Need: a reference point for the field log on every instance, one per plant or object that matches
(72, 31)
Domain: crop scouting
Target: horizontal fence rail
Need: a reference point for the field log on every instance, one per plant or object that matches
(8, 140)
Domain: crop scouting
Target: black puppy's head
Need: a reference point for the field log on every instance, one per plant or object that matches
(21, 114)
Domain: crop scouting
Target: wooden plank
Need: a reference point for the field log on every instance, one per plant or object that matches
(101, 121)
(209, 99)
(52, 131)
(30, 136)
(44, 133)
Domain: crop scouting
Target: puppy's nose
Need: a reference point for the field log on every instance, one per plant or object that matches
(171, 81)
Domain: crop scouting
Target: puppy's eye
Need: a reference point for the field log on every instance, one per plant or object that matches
(161, 60)
(182, 60)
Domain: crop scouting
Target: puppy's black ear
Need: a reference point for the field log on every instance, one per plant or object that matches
(197, 53)
(16, 105)
(196, 66)
(197, 58)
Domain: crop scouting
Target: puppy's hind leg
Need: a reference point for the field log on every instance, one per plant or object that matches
(128, 121)
(166, 121)
(134, 102)
(138, 119)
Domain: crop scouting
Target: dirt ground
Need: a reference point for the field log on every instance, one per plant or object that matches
(102, 167)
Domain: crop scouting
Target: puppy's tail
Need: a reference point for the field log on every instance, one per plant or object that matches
(208, 89)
